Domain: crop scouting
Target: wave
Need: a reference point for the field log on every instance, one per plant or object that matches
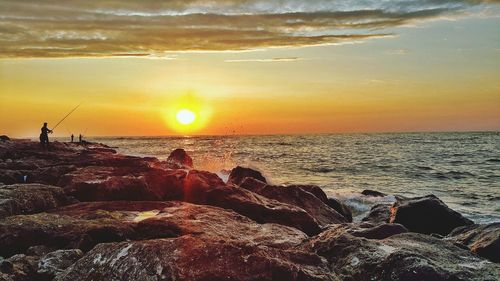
(321, 170)
(453, 175)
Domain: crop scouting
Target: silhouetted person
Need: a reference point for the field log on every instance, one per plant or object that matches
(72, 137)
(80, 138)
(44, 136)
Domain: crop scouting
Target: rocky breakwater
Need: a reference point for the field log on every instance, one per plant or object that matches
(88, 213)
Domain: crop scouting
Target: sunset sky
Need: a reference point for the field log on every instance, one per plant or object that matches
(249, 66)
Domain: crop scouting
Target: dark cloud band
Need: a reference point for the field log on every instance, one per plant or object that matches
(148, 27)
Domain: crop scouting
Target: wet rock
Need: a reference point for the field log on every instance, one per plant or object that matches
(483, 240)
(373, 193)
(341, 208)
(56, 262)
(179, 159)
(192, 258)
(4, 138)
(262, 209)
(426, 215)
(30, 198)
(239, 174)
(197, 184)
(401, 257)
(379, 213)
(296, 196)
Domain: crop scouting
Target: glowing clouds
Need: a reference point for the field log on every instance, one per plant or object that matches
(187, 114)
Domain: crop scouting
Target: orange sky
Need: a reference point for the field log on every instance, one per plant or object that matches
(430, 75)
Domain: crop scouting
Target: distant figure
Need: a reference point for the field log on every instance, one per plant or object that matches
(80, 138)
(44, 136)
(72, 137)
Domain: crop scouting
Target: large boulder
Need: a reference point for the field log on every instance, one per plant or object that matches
(238, 175)
(84, 225)
(4, 138)
(400, 257)
(426, 215)
(379, 213)
(296, 196)
(483, 240)
(179, 159)
(30, 198)
(262, 209)
(194, 258)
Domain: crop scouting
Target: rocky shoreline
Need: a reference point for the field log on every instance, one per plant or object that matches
(88, 213)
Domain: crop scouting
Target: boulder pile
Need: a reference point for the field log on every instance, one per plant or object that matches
(89, 213)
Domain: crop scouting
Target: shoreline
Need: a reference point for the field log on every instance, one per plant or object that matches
(91, 213)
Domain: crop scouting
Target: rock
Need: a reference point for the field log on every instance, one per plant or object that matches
(180, 159)
(84, 225)
(426, 215)
(401, 257)
(483, 240)
(370, 231)
(19, 268)
(197, 184)
(262, 209)
(373, 193)
(56, 262)
(379, 213)
(4, 138)
(315, 190)
(341, 208)
(239, 174)
(30, 198)
(296, 196)
(193, 258)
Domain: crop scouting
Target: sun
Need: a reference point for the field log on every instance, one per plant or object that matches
(185, 116)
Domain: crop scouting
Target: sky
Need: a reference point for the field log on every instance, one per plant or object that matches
(249, 66)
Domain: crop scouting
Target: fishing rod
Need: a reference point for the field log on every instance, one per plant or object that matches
(73, 110)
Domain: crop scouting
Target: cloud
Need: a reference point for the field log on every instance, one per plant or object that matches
(81, 28)
(398, 52)
(284, 59)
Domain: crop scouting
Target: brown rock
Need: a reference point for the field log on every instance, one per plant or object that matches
(179, 159)
(194, 258)
(239, 174)
(401, 257)
(483, 240)
(379, 213)
(373, 193)
(296, 196)
(370, 231)
(84, 225)
(426, 215)
(341, 208)
(30, 198)
(262, 209)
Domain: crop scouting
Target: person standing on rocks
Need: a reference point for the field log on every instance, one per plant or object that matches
(44, 136)
(72, 137)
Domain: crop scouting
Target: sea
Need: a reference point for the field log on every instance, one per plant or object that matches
(462, 169)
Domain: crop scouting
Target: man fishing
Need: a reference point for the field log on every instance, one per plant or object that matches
(44, 136)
